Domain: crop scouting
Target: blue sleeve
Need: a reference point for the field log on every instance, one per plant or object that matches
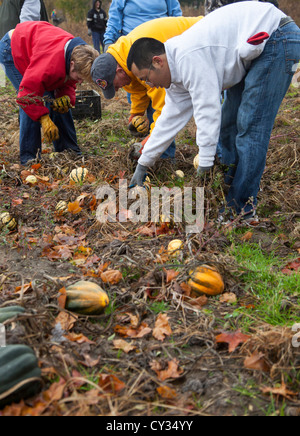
(174, 9)
(115, 22)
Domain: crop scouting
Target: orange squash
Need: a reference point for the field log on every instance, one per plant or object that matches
(86, 298)
(207, 280)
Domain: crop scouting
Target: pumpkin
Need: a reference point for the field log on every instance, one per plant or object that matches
(196, 162)
(79, 175)
(20, 375)
(175, 247)
(86, 298)
(207, 280)
(10, 312)
(61, 207)
(7, 220)
(31, 180)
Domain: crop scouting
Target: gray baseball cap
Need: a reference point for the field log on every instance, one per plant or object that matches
(103, 72)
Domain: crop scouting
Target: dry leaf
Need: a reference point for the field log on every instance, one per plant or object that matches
(247, 236)
(66, 320)
(233, 339)
(111, 276)
(162, 327)
(257, 362)
(171, 274)
(62, 298)
(164, 374)
(120, 344)
(26, 288)
(166, 392)
(281, 391)
(110, 383)
(228, 297)
(129, 332)
(74, 208)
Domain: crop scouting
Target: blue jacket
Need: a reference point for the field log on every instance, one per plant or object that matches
(126, 15)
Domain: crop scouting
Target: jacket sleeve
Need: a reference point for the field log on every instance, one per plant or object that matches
(90, 19)
(139, 97)
(174, 9)
(69, 89)
(115, 22)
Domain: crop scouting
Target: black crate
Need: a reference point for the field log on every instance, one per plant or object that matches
(88, 105)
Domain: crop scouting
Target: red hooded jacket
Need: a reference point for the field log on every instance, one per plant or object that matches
(38, 50)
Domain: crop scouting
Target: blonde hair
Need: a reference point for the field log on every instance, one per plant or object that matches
(83, 57)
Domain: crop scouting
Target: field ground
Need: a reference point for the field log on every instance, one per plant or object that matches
(163, 365)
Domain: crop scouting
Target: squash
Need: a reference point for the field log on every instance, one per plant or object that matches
(86, 298)
(196, 162)
(10, 312)
(175, 248)
(31, 180)
(79, 175)
(179, 174)
(6, 220)
(20, 375)
(61, 207)
(207, 280)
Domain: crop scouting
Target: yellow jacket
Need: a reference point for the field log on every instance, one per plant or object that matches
(161, 29)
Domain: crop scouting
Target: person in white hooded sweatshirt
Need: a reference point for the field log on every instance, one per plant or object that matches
(251, 49)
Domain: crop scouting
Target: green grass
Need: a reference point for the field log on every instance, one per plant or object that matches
(276, 295)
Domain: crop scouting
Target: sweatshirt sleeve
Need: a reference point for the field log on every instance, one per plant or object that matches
(176, 113)
(115, 22)
(202, 77)
(174, 9)
(31, 11)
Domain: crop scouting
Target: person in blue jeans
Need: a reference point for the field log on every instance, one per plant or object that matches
(252, 49)
(47, 70)
(96, 22)
(125, 16)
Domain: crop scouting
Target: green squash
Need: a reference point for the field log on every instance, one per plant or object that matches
(10, 312)
(18, 364)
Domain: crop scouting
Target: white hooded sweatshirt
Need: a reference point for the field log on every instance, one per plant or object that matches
(211, 56)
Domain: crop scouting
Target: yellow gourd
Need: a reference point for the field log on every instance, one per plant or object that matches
(207, 280)
(86, 298)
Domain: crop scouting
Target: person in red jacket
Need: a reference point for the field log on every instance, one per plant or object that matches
(42, 60)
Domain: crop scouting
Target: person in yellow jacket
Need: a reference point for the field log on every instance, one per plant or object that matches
(110, 72)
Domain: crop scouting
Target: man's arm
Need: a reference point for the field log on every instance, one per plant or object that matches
(31, 11)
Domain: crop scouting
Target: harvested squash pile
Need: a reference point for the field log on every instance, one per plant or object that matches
(128, 318)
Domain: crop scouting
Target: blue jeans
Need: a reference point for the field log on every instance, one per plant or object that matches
(249, 113)
(170, 152)
(30, 131)
(98, 38)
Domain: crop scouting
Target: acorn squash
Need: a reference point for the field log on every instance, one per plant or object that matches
(10, 312)
(207, 280)
(86, 298)
(20, 376)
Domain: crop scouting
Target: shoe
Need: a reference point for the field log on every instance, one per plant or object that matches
(249, 220)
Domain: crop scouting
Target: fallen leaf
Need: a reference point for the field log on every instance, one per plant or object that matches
(171, 274)
(233, 339)
(228, 297)
(166, 392)
(164, 374)
(162, 327)
(74, 208)
(120, 344)
(26, 288)
(129, 332)
(62, 298)
(281, 391)
(79, 338)
(257, 362)
(247, 236)
(110, 383)
(292, 267)
(66, 320)
(111, 276)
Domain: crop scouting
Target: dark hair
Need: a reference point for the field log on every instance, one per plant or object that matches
(142, 52)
